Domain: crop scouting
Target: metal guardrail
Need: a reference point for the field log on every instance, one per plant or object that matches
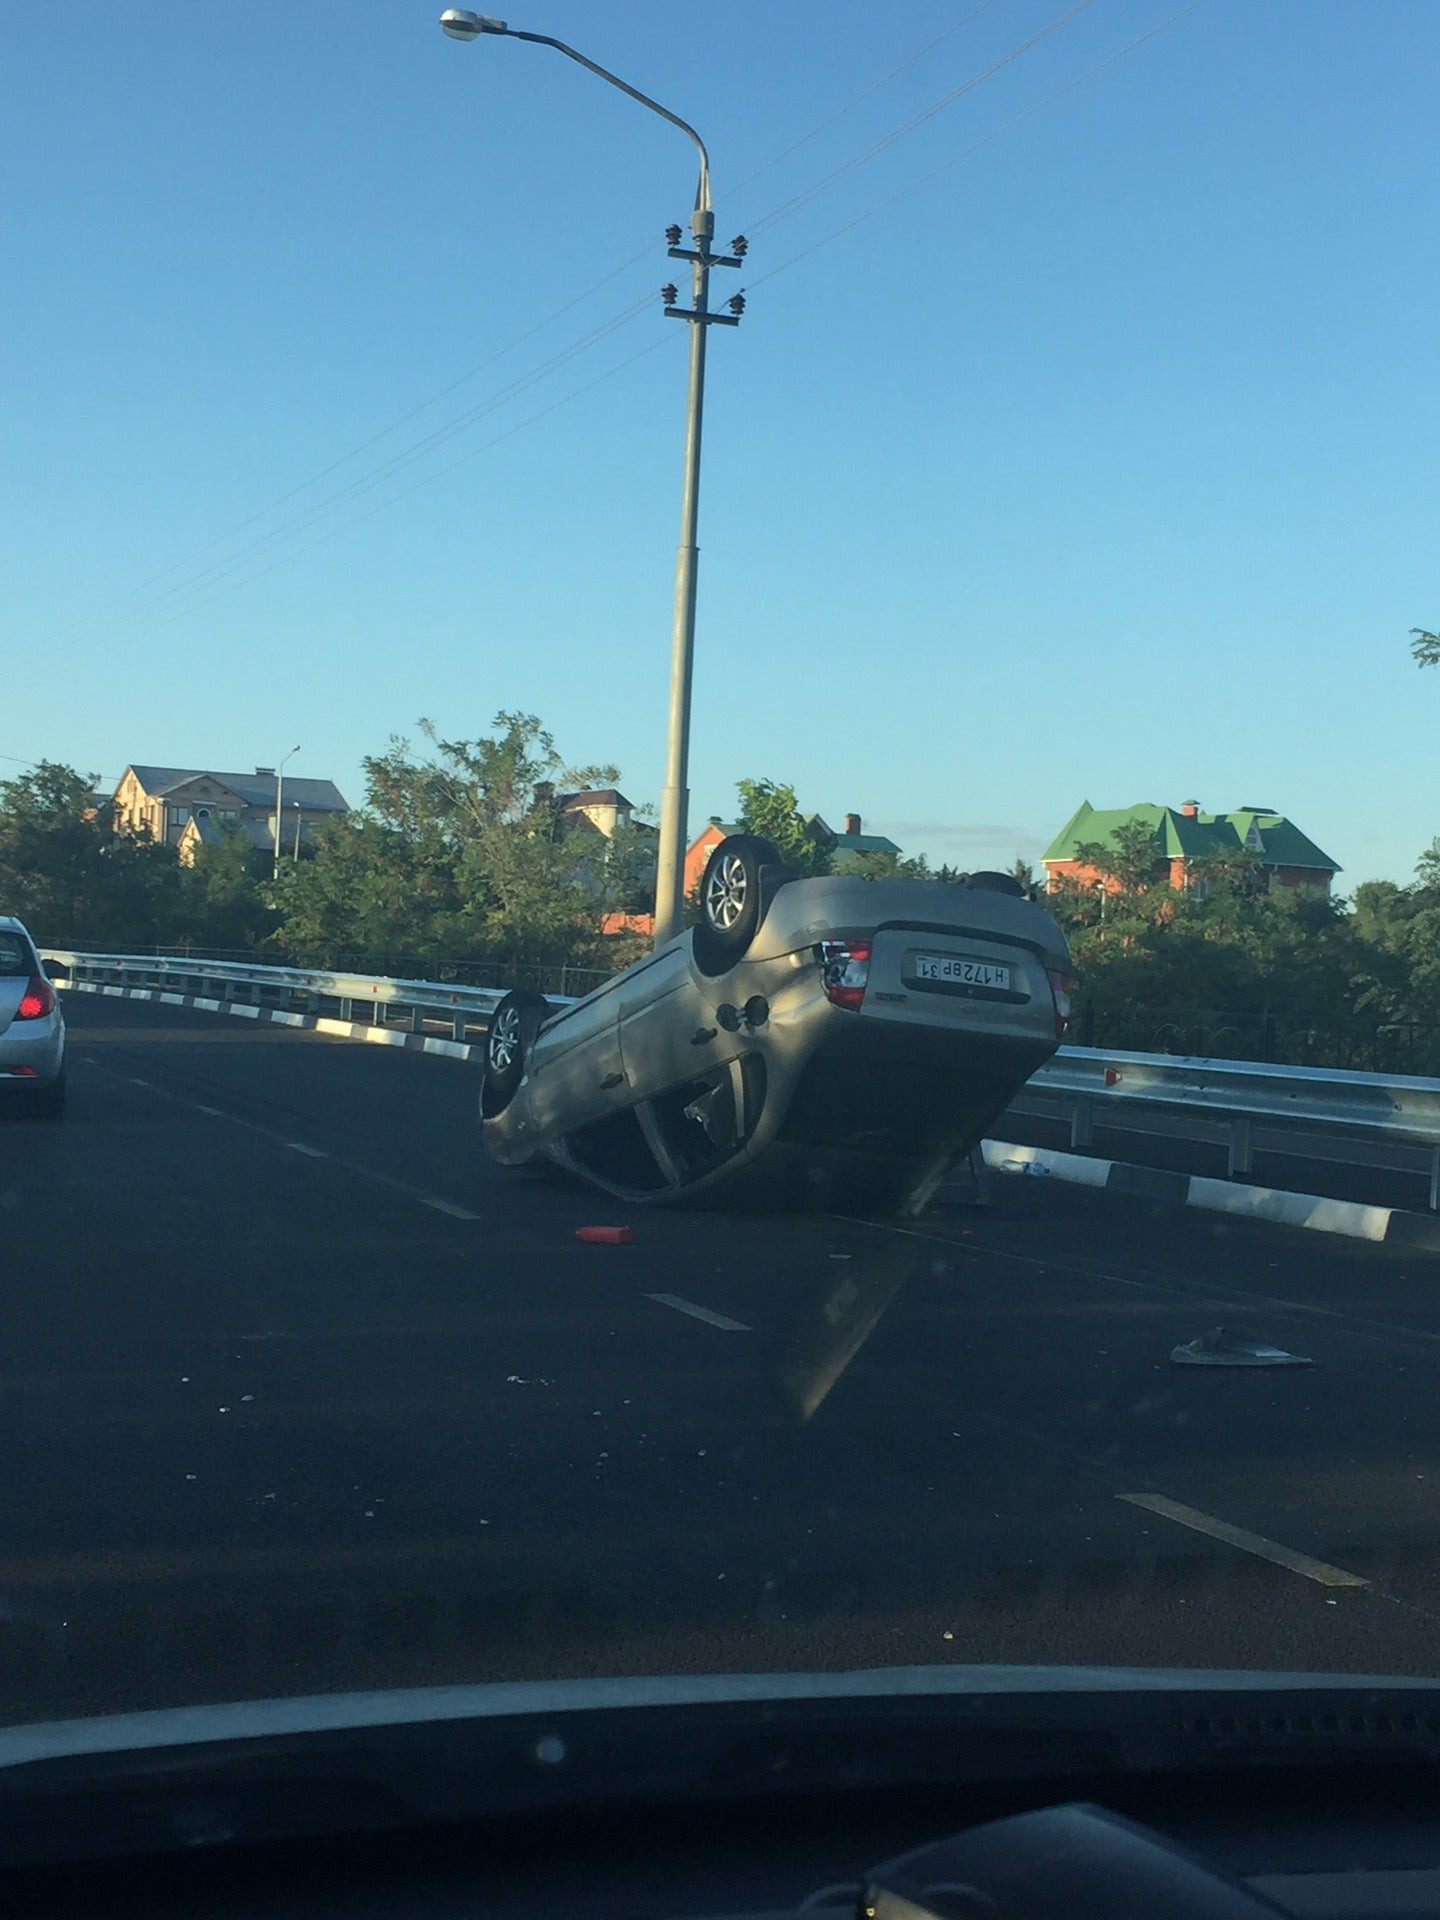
(1084, 1081)
(311, 990)
(1088, 1080)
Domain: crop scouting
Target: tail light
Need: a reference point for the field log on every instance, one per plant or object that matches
(1060, 991)
(37, 1000)
(845, 968)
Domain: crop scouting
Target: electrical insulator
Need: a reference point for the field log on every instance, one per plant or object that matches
(669, 295)
(740, 246)
(672, 236)
(736, 304)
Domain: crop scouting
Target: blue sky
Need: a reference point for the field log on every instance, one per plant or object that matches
(1098, 463)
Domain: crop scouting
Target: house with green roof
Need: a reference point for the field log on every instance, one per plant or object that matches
(1181, 835)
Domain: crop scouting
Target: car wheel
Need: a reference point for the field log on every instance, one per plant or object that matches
(735, 888)
(989, 882)
(513, 1026)
(48, 1103)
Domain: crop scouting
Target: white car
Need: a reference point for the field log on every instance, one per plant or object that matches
(828, 1042)
(32, 1027)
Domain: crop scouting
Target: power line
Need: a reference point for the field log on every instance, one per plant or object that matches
(858, 99)
(183, 591)
(428, 479)
(877, 147)
(375, 438)
(220, 573)
(243, 526)
(965, 153)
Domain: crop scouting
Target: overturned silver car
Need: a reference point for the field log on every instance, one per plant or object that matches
(834, 1042)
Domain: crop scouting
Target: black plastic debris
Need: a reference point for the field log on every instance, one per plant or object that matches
(1229, 1347)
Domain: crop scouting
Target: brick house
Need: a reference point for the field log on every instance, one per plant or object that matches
(1180, 835)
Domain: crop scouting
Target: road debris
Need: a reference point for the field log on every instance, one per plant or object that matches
(1230, 1347)
(605, 1236)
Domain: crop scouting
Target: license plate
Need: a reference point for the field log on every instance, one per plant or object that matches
(957, 970)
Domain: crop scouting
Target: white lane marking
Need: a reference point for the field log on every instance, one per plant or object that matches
(245, 1009)
(173, 999)
(279, 1139)
(443, 1206)
(699, 1313)
(206, 1006)
(386, 1036)
(343, 1027)
(288, 1019)
(1256, 1543)
(113, 993)
(141, 1083)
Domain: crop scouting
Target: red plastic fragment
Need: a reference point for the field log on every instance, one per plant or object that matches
(606, 1236)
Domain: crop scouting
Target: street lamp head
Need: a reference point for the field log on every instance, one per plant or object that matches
(461, 24)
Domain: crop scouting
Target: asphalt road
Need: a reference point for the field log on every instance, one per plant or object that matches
(298, 1393)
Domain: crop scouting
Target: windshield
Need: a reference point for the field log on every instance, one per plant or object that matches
(606, 1104)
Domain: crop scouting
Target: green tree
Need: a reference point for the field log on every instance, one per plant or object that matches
(223, 895)
(1128, 857)
(1425, 646)
(71, 876)
(770, 809)
(461, 854)
(885, 865)
(625, 869)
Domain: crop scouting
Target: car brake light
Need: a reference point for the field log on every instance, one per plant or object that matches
(845, 968)
(37, 1000)
(1060, 990)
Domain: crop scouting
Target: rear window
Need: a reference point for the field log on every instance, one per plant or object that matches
(15, 954)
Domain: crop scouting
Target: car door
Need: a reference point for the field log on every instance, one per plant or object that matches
(575, 1072)
(662, 1019)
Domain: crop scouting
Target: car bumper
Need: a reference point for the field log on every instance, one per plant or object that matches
(32, 1053)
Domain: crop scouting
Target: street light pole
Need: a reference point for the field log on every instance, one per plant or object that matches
(279, 796)
(461, 24)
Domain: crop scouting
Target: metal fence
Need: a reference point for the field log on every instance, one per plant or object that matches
(1080, 1083)
(1260, 1033)
(560, 977)
(461, 1011)
(1086, 1083)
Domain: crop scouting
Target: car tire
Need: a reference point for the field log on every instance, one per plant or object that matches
(738, 883)
(989, 882)
(513, 1026)
(48, 1102)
